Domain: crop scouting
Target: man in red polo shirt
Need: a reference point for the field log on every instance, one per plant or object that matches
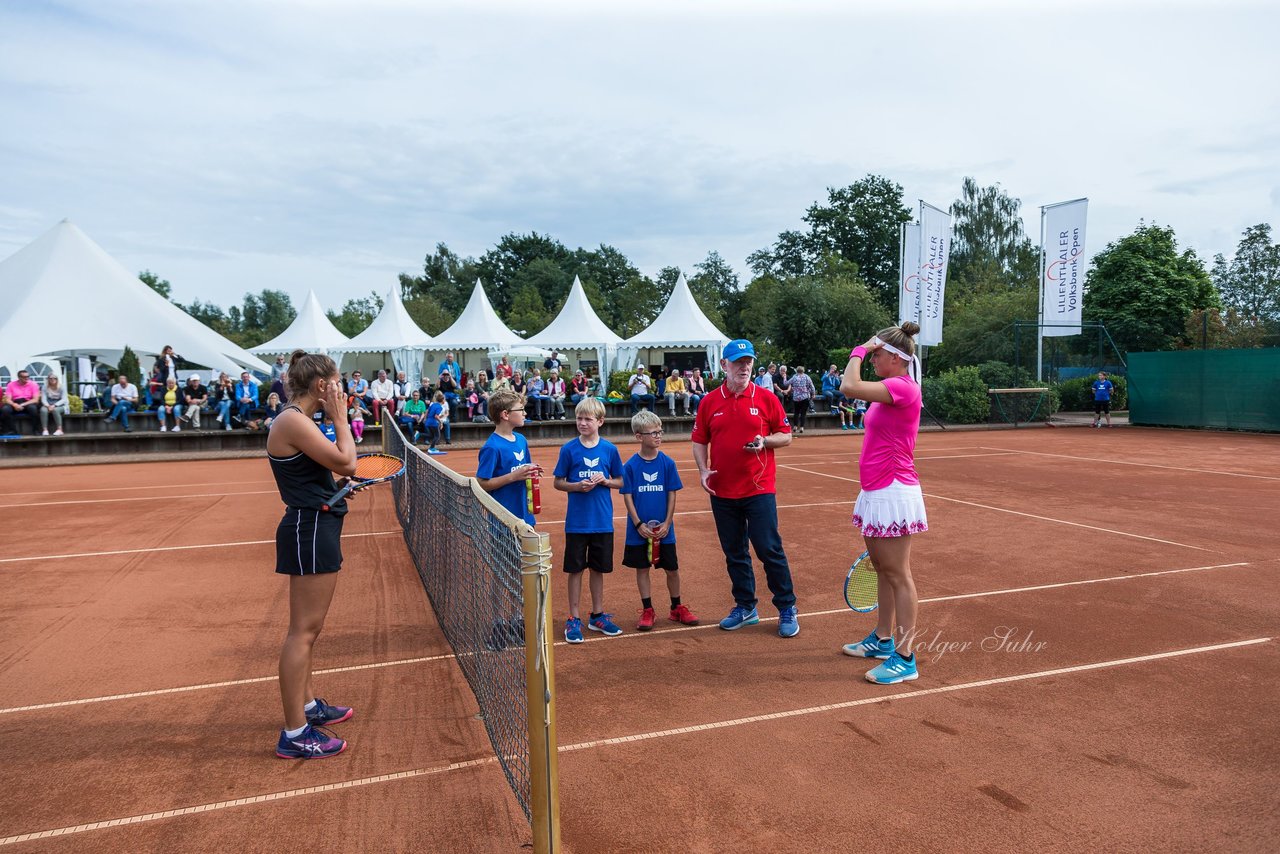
(737, 429)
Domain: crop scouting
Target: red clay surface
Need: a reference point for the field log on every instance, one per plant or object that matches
(685, 739)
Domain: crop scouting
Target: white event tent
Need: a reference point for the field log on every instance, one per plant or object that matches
(680, 327)
(392, 332)
(311, 330)
(62, 297)
(477, 328)
(578, 329)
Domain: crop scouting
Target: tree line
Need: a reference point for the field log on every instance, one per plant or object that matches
(832, 280)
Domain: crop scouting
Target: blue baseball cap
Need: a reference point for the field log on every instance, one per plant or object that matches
(737, 349)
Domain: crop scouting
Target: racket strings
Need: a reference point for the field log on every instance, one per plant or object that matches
(376, 466)
(861, 587)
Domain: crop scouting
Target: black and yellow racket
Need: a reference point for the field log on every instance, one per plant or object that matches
(860, 591)
(370, 469)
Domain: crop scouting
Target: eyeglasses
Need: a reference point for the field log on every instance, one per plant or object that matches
(657, 434)
(517, 409)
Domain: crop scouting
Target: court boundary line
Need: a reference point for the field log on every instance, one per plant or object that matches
(184, 496)
(156, 486)
(177, 548)
(230, 683)
(626, 739)
(1143, 465)
(1014, 512)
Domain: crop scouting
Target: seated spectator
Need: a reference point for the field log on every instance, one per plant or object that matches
(402, 390)
(449, 387)
(517, 383)
(326, 427)
(278, 370)
(451, 365)
(535, 392)
(782, 385)
(224, 395)
(859, 412)
(579, 388)
(697, 389)
(477, 405)
(53, 401)
(169, 406)
(831, 390)
(413, 416)
(274, 405)
(21, 397)
(383, 392)
(124, 397)
(555, 395)
(763, 378)
(356, 413)
(640, 386)
(484, 388)
(246, 397)
(280, 387)
(503, 370)
(552, 362)
(359, 386)
(674, 390)
(598, 387)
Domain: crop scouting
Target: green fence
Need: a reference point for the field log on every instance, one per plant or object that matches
(1228, 389)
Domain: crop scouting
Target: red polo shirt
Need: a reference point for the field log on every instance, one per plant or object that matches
(726, 423)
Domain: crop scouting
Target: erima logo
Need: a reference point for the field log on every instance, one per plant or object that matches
(649, 485)
(651, 477)
(519, 455)
(587, 461)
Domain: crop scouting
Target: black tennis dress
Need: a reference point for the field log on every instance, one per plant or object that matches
(308, 539)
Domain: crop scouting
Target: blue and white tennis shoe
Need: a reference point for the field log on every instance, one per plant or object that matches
(740, 617)
(872, 646)
(896, 669)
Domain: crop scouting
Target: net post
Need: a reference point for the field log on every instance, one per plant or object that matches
(544, 777)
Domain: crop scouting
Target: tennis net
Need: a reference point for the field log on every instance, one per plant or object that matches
(487, 575)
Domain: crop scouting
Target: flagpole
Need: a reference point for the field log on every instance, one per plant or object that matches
(1040, 314)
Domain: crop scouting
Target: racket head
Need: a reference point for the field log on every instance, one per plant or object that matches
(860, 591)
(377, 467)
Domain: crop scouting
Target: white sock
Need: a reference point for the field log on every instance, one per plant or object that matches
(309, 706)
(294, 733)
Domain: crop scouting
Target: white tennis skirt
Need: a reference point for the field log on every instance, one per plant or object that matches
(894, 511)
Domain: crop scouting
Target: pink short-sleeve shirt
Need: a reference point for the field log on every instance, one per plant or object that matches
(889, 445)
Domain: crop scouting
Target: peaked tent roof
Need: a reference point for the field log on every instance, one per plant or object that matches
(392, 329)
(681, 324)
(102, 307)
(477, 328)
(576, 326)
(311, 330)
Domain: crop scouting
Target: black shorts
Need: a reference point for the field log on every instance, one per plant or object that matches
(1101, 406)
(588, 551)
(637, 557)
(309, 542)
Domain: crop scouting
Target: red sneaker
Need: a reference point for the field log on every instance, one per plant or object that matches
(682, 614)
(646, 620)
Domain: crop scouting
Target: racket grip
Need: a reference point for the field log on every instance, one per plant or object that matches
(335, 498)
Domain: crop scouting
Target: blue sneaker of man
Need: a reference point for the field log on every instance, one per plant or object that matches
(603, 624)
(872, 646)
(788, 622)
(740, 617)
(896, 669)
(312, 743)
(573, 630)
(324, 714)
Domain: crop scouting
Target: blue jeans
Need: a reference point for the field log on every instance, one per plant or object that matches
(120, 412)
(224, 413)
(243, 410)
(754, 519)
(639, 400)
(694, 400)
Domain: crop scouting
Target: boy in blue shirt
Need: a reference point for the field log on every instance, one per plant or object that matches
(587, 469)
(649, 485)
(505, 462)
(1102, 398)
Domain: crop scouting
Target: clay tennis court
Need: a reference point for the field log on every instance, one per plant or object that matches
(1097, 652)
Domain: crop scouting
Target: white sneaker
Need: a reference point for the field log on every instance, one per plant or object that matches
(57, 432)
(164, 429)
(177, 428)
(45, 433)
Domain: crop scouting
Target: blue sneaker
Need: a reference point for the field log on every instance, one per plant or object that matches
(872, 646)
(313, 743)
(436, 452)
(788, 622)
(896, 669)
(603, 624)
(573, 630)
(324, 714)
(740, 617)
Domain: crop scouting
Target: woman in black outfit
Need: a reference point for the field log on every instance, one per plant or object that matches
(308, 543)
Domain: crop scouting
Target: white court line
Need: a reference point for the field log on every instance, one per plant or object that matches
(1019, 513)
(174, 548)
(1142, 465)
(157, 486)
(626, 739)
(593, 639)
(185, 495)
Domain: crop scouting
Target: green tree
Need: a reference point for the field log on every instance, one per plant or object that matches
(266, 315)
(989, 248)
(430, 316)
(635, 306)
(129, 365)
(499, 267)
(549, 282)
(528, 314)
(980, 328)
(356, 314)
(755, 316)
(605, 273)
(157, 284)
(1143, 289)
(446, 277)
(810, 315)
(1215, 330)
(715, 287)
(210, 315)
(1250, 282)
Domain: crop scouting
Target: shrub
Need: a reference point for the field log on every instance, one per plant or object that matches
(129, 367)
(75, 405)
(1003, 375)
(958, 396)
(1077, 394)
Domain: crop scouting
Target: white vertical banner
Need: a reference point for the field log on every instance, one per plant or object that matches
(909, 273)
(935, 249)
(1062, 285)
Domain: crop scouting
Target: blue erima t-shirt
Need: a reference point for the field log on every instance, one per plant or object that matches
(589, 512)
(499, 456)
(649, 482)
(1102, 389)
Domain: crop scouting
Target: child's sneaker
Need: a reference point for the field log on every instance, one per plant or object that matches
(312, 743)
(872, 646)
(896, 669)
(740, 617)
(324, 714)
(681, 614)
(603, 624)
(573, 630)
(647, 616)
(788, 622)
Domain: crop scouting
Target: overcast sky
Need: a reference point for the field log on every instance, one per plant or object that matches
(232, 146)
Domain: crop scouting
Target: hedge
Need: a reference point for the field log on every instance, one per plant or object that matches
(1077, 394)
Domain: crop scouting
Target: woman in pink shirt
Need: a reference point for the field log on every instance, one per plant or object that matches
(890, 507)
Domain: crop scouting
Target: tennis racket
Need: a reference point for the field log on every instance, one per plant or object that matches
(860, 592)
(370, 469)
(655, 547)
